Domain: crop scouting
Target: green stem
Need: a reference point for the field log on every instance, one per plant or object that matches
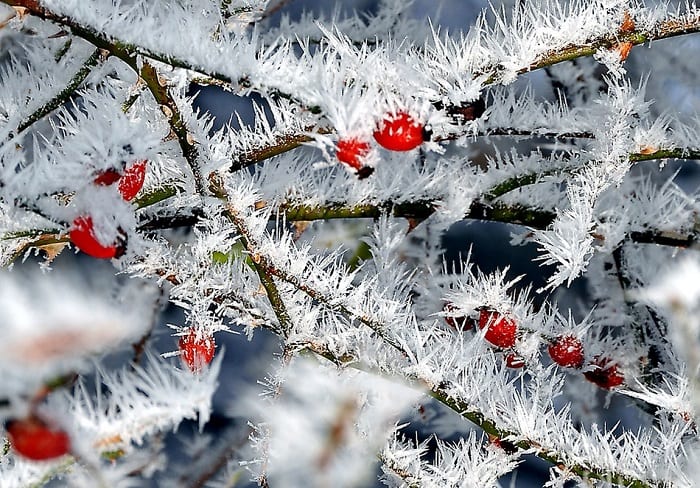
(496, 212)
(671, 153)
(512, 214)
(61, 97)
(156, 195)
(63, 50)
(260, 267)
(172, 113)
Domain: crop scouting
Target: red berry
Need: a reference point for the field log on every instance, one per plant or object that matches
(132, 180)
(107, 177)
(515, 361)
(460, 322)
(130, 183)
(605, 374)
(352, 152)
(82, 235)
(33, 439)
(501, 329)
(567, 351)
(196, 350)
(399, 132)
(507, 446)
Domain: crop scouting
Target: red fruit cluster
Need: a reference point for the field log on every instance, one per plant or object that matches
(500, 329)
(130, 183)
(33, 439)
(605, 373)
(82, 232)
(399, 132)
(459, 322)
(196, 350)
(567, 351)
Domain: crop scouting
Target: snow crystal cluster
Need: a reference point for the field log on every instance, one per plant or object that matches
(138, 234)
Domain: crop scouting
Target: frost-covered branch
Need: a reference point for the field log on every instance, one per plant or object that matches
(63, 96)
(323, 219)
(496, 212)
(267, 269)
(420, 210)
(584, 471)
(443, 393)
(665, 28)
(549, 51)
(170, 108)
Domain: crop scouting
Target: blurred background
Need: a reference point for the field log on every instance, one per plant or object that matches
(247, 361)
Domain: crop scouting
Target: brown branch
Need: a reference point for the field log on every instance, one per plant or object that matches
(274, 9)
(263, 271)
(664, 29)
(283, 144)
(267, 269)
(172, 113)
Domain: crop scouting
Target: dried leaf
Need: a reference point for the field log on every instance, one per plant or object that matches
(51, 251)
(624, 49)
(299, 228)
(627, 23)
